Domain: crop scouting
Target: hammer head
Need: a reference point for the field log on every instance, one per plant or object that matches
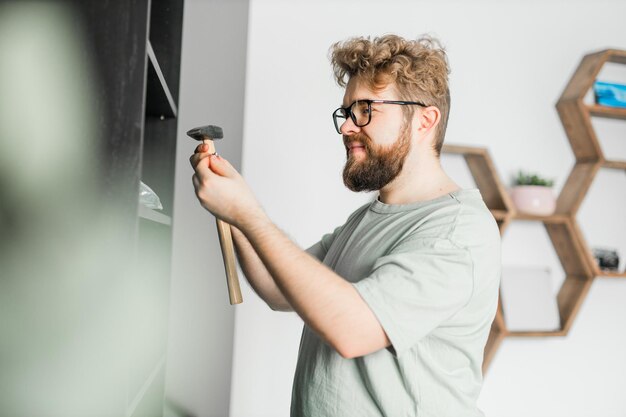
(206, 132)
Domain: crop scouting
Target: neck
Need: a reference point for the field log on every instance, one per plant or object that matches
(421, 179)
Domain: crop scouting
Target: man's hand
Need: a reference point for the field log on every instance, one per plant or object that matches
(222, 190)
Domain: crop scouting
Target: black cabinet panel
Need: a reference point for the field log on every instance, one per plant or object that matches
(134, 47)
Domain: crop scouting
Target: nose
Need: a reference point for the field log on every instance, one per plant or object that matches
(349, 128)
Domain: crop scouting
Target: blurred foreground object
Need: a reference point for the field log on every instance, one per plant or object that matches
(61, 311)
(84, 277)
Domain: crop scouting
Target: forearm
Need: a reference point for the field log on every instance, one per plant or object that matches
(327, 303)
(257, 274)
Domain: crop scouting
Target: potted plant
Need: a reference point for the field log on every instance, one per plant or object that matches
(533, 194)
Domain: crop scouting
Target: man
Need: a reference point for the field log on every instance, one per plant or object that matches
(397, 302)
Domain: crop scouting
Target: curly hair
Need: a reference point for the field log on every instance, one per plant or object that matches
(419, 68)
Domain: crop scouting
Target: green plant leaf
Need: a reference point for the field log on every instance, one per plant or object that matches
(532, 179)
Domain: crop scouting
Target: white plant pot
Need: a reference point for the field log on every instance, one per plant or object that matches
(534, 199)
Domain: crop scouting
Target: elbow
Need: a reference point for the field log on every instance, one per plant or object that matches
(355, 349)
(273, 307)
(346, 351)
(280, 308)
(347, 355)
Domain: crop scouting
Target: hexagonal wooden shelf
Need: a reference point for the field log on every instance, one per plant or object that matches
(576, 116)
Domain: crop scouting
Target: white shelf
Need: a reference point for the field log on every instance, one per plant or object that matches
(153, 215)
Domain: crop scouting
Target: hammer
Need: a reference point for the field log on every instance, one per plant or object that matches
(207, 134)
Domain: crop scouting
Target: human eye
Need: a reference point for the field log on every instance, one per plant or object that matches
(361, 108)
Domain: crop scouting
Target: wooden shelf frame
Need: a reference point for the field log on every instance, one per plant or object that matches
(606, 111)
(590, 158)
(576, 115)
(573, 254)
(576, 187)
(551, 219)
(576, 118)
(568, 240)
(614, 165)
(562, 230)
(610, 274)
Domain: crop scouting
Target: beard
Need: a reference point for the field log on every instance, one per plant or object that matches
(379, 166)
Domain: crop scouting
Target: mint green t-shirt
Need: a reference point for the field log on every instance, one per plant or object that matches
(430, 272)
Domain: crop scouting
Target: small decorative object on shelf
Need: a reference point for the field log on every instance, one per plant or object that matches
(533, 194)
(607, 259)
(610, 94)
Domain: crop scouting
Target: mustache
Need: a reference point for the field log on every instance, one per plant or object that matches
(360, 138)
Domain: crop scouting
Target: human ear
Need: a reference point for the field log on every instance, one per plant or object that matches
(428, 118)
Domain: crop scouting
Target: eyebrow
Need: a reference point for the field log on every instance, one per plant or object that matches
(359, 99)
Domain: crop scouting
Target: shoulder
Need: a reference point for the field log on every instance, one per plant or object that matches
(474, 224)
(463, 219)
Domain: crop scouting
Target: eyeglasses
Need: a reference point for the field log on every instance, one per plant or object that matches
(361, 112)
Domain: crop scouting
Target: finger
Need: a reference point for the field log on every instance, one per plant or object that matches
(221, 166)
(196, 158)
(202, 167)
(203, 147)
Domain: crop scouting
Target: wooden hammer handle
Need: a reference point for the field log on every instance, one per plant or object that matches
(228, 254)
(228, 251)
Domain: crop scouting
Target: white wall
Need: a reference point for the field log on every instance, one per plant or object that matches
(510, 61)
(212, 85)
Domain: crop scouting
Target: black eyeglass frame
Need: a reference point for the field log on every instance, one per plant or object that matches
(347, 112)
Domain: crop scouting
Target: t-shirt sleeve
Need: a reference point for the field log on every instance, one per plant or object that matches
(317, 251)
(320, 249)
(416, 287)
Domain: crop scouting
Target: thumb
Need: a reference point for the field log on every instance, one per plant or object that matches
(221, 166)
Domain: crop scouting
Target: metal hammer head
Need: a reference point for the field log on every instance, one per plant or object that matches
(206, 132)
